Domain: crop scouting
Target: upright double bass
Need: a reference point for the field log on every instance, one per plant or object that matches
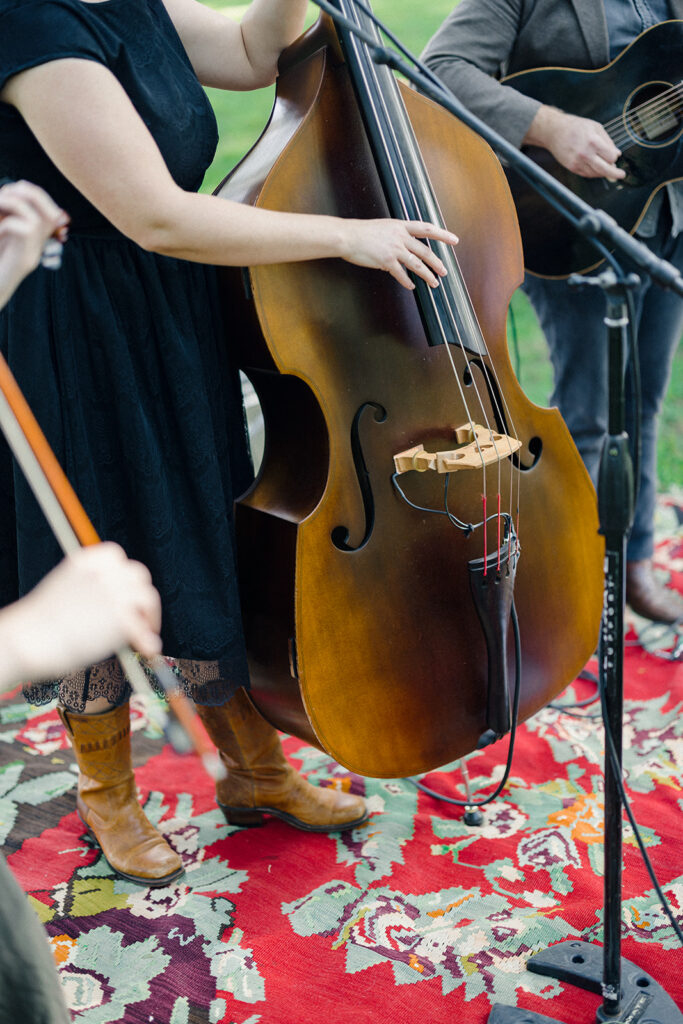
(408, 486)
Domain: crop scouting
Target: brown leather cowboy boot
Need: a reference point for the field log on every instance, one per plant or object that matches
(261, 781)
(107, 799)
(648, 597)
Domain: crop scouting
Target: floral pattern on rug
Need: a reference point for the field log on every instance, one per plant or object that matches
(415, 916)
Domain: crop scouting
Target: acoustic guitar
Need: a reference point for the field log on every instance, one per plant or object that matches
(638, 98)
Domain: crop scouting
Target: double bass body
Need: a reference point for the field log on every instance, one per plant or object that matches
(362, 635)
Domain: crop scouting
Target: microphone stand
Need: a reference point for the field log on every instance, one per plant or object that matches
(630, 996)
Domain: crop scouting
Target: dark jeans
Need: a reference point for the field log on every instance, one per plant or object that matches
(573, 323)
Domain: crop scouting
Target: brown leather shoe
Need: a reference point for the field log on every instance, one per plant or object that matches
(261, 780)
(107, 799)
(649, 598)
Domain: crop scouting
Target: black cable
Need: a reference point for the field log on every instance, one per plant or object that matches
(467, 528)
(616, 768)
(513, 341)
(575, 714)
(513, 733)
(568, 709)
(636, 393)
(676, 652)
(617, 772)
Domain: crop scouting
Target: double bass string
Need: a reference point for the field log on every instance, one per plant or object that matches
(435, 213)
(444, 253)
(442, 328)
(466, 308)
(449, 258)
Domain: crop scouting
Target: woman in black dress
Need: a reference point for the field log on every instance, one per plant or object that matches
(94, 600)
(120, 356)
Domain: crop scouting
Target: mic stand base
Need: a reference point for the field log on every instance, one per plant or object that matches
(629, 995)
(644, 1001)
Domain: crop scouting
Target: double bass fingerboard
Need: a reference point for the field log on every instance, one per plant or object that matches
(447, 311)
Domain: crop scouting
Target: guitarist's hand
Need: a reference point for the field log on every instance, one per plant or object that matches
(579, 144)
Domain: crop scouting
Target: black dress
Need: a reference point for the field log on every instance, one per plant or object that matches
(122, 357)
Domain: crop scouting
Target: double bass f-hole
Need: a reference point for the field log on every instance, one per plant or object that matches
(340, 534)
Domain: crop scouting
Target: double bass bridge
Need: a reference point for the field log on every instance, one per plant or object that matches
(477, 447)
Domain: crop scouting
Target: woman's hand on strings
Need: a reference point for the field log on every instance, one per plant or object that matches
(94, 602)
(395, 246)
(28, 217)
(79, 112)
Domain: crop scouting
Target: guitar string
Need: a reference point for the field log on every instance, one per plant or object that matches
(660, 99)
(651, 133)
(623, 129)
(457, 280)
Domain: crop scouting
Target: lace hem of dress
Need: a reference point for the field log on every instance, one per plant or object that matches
(206, 682)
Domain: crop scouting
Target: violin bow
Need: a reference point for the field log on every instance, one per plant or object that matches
(72, 528)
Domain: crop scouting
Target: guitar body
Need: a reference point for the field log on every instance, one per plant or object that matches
(652, 151)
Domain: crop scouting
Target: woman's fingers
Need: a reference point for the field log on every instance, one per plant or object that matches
(34, 198)
(420, 258)
(30, 217)
(424, 229)
(399, 247)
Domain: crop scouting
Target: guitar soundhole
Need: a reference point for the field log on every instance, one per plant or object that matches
(652, 116)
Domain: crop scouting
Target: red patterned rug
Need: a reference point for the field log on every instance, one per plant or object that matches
(416, 917)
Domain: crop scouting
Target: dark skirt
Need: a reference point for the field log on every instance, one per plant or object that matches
(123, 358)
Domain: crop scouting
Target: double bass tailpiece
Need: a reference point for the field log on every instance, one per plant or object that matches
(492, 577)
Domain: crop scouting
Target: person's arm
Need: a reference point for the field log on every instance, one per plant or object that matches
(468, 51)
(88, 126)
(228, 55)
(28, 217)
(93, 603)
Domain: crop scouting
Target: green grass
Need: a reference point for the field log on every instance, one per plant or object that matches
(242, 117)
